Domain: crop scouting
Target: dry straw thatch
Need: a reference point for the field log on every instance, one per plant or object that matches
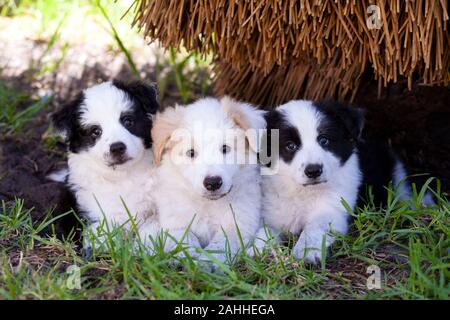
(270, 51)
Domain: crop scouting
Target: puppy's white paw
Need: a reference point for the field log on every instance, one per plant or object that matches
(188, 251)
(259, 246)
(208, 266)
(209, 263)
(179, 258)
(308, 250)
(263, 240)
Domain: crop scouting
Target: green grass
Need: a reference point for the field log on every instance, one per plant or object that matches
(16, 109)
(186, 70)
(410, 244)
(55, 16)
(179, 74)
(115, 34)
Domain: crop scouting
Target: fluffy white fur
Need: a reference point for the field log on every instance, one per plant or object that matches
(313, 210)
(105, 193)
(181, 197)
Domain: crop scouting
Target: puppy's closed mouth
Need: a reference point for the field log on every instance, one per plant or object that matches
(115, 163)
(217, 196)
(313, 183)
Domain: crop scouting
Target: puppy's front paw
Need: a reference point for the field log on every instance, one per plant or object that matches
(189, 251)
(180, 258)
(209, 264)
(307, 250)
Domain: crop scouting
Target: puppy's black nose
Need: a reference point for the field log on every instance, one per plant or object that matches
(117, 148)
(212, 183)
(313, 170)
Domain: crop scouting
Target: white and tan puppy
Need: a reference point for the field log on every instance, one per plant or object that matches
(208, 177)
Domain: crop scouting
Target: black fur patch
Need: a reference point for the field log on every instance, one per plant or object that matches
(342, 126)
(377, 162)
(67, 121)
(142, 94)
(144, 98)
(69, 225)
(287, 134)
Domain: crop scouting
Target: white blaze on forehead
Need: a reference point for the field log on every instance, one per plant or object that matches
(209, 113)
(305, 117)
(103, 103)
(206, 121)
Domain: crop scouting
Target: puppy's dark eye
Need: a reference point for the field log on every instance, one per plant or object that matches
(323, 140)
(128, 121)
(95, 132)
(191, 153)
(225, 149)
(291, 146)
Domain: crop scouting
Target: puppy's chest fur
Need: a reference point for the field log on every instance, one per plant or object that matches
(181, 210)
(289, 206)
(99, 194)
(208, 217)
(178, 207)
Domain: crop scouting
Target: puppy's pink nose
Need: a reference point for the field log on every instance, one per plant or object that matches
(212, 183)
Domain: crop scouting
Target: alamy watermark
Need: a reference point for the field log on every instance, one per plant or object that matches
(73, 280)
(374, 19)
(374, 279)
(212, 147)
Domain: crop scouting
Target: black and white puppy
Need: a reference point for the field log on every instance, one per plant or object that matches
(321, 160)
(107, 130)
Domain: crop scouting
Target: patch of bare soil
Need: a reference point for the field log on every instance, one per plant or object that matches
(24, 165)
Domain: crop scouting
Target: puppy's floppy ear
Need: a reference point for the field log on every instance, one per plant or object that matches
(353, 119)
(246, 117)
(65, 120)
(164, 125)
(243, 114)
(145, 94)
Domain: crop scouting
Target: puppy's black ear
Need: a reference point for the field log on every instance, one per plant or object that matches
(65, 120)
(353, 119)
(145, 94)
